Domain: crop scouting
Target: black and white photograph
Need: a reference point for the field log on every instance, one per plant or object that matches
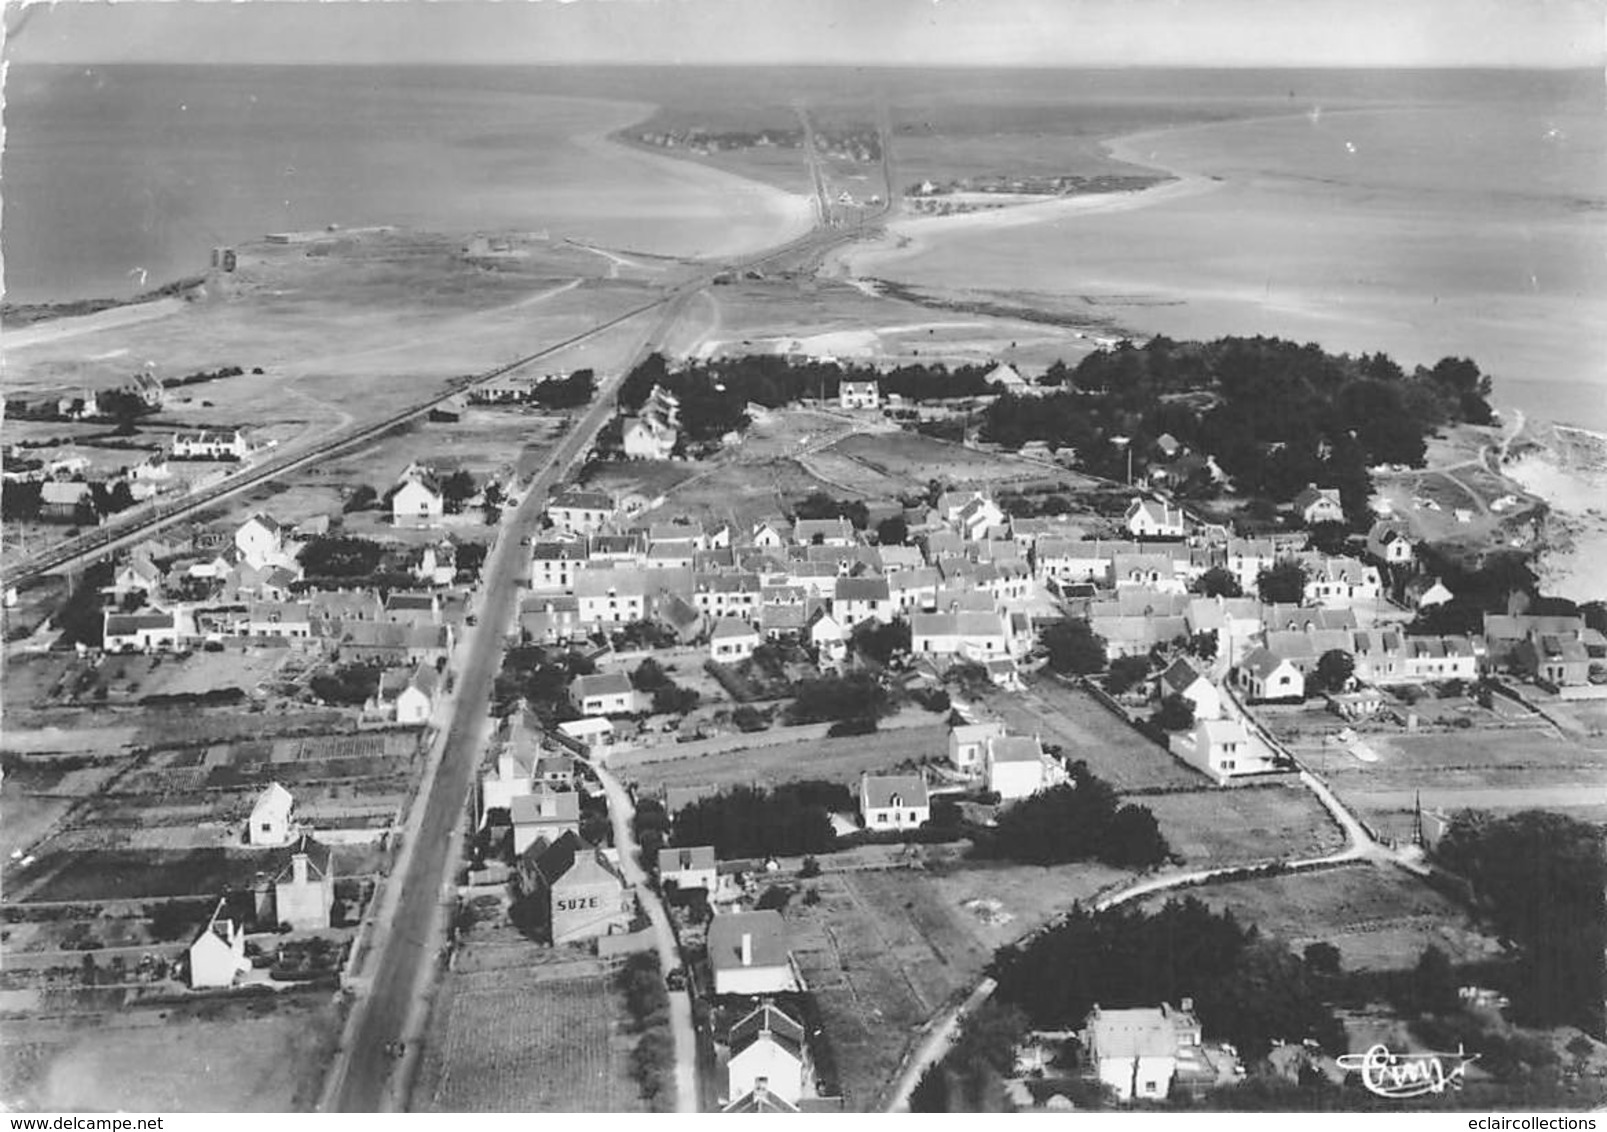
(804, 556)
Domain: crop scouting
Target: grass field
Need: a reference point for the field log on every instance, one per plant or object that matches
(918, 459)
(1378, 917)
(1221, 827)
(513, 1041)
(263, 1054)
(836, 760)
(1087, 731)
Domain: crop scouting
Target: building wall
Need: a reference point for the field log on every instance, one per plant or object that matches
(586, 911)
(305, 907)
(753, 980)
(782, 1073)
(1015, 779)
(1153, 1079)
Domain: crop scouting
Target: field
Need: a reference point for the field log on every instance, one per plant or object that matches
(836, 760)
(1378, 917)
(1087, 731)
(519, 1040)
(918, 459)
(1219, 827)
(884, 950)
(259, 1054)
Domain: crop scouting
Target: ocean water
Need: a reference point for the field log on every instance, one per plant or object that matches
(1470, 222)
(115, 177)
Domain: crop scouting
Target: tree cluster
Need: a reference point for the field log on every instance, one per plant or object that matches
(829, 698)
(566, 392)
(341, 556)
(668, 696)
(1246, 990)
(1543, 877)
(1074, 648)
(881, 642)
(347, 684)
(790, 820)
(819, 505)
(540, 677)
(1080, 820)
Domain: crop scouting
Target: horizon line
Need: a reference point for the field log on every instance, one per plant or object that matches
(438, 64)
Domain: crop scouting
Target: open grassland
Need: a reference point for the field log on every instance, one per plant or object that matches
(740, 492)
(512, 1040)
(836, 760)
(265, 1053)
(1088, 731)
(1258, 823)
(1379, 917)
(918, 459)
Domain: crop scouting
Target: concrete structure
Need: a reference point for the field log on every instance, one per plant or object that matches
(749, 955)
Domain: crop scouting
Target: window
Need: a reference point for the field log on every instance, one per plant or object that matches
(1149, 1086)
(882, 818)
(913, 816)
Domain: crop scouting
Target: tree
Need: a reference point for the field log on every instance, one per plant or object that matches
(881, 642)
(1125, 673)
(455, 490)
(892, 532)
(1433, 983)
(362, 498)
(1330, 538)
(1322, 957)
(1204, 644)
(1176, 713)
(1218, 581)
(1077, 821)
(1074, 648)
(1284, 582)
(1334, 671)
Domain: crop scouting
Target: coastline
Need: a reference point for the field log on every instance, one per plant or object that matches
(1567, 467)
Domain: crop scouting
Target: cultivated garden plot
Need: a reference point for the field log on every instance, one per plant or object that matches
(1213, 827)
(517, 1041)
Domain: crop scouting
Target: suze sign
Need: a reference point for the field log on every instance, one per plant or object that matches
(577, 904)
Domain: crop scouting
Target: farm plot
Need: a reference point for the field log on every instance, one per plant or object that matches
(1260, 823)
(37, 797)
(999, 903)
(1379, 917)
(514, 1041)
(64, 875)
(1087, 731)
(262, 1054)
(918, 459)
(788, 759)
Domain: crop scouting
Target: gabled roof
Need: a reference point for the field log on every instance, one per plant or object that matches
(274, 799)
(1014, 749)
(769, 932)
(545, 807)
(770, 1022)
(673, 859)
(1262, 662)
(1123, 1034)
(1219, 731)
(731, 628)
(1180, 677)
(124, 624)
(580, 500)
(861, 589)
(601, 684)
(320, 860)
(878, 791)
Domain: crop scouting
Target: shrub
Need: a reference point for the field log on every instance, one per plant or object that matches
(863, 726)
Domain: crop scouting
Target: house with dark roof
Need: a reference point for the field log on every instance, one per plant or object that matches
(749, 954)
(299, 891)
(855, 600)
(769, 1056)
(893, 801)
(1183, 679)
(605, 693)
(1264, 676)
(1319, 505)
(579, 510)
(132, 632)
(582, 894)
(733, 640)
(543, 814)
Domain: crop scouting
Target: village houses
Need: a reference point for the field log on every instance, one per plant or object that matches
(898, 801)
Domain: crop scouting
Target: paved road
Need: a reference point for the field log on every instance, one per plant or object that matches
(621, 811)
(408, 947)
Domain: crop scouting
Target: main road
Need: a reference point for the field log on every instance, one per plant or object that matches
(411, 927)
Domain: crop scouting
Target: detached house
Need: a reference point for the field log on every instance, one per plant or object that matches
(1319, 505)
(1222, 749)
(1155, 518)
(418, 501)
(134, 632)
(968, 744)
(260, 539)
(856, 600)
(543, 814)
(218, 954)
(769, 1056)
(554, 565)
(1264, 675)
(732, 641)
(691, 867)
(1183, 679)
(899, 801)
(580, 512)
(749, 954)
(823, 532)
(1135, 1052)
(303, 890)
(270, 817)
(852, 395)
(1017, 766)
(1389, 544)
(408, 694)
(605, 693)
(648, 438)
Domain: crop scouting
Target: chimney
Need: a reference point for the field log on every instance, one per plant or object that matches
(747, 949)
(298, 868)
(1186, 1005)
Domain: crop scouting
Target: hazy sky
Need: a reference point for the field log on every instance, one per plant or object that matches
(891, 32)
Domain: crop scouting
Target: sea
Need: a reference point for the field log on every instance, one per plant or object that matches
(1420, 213)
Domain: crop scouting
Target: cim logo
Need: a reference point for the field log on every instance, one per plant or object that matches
(1402, 1075)
(577, 904)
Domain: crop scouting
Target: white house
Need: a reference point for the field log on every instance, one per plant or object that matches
(859, 395)
(769, 1055)
(218, 954)
(893, 801)
(823, 532)
(1337, 582)
(605, 693)
(580, 511)
(133, 632)
(1017, 766)
(418, 501)
(733, 640)
(828, 636)
(1223, 749)
(211, 444)
(749, 954)
(1319, 505)
(1005, 378)
(972, 634)
(1388, 542)
(1136, 1051)
(554, 565)
(270, 817)
(855, 600)
(1155, 518)
(410, 693)
(611, 597)
(648, 438)
(1183, 679)
(304, 890)
(260, 539)
(543, 813)
(693, 866)
(1264, 675)
(968, 743)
